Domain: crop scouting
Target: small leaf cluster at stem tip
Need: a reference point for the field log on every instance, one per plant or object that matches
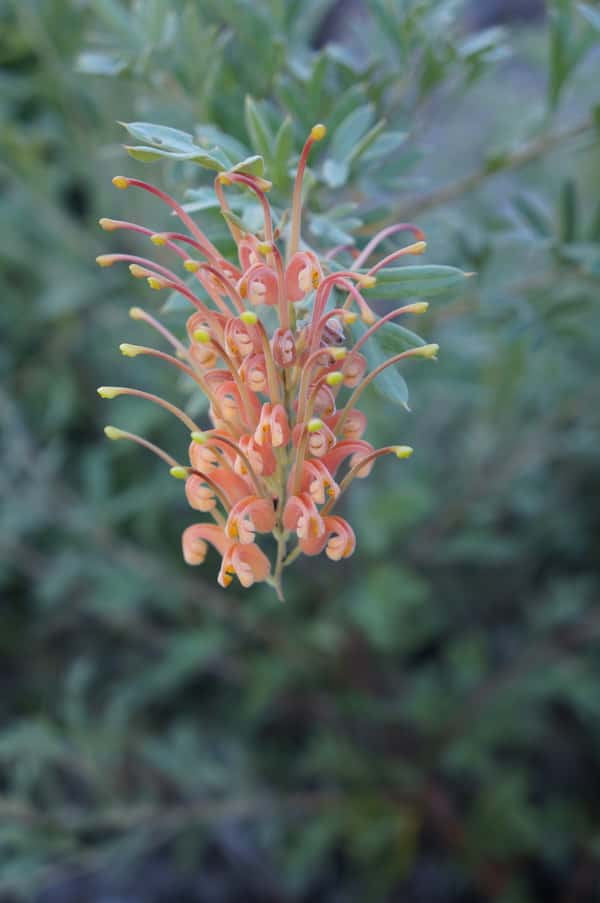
(275, 340)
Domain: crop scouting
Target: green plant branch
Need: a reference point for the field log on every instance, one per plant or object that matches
(528, 152)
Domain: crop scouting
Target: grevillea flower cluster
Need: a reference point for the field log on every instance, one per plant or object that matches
(286, 435)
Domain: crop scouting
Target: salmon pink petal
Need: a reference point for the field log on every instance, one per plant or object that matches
(195, 538)
(344, 449)
(250, 516)
(302, 275)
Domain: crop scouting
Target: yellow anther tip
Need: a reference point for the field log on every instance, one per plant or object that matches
(350, 317)
(264, 247)
(202, 336)
(179, 473)
(419, 247)
(120, 182)
(158, 239)
(107, 224)
(130, 350)
(224, 179)
(429, 350)
(403, 451)
(367, 281)
(419, 307)
(338, 354)
(137, 271)
(192, 266)
(200, 438)
(108, 391)
(249, 318)
(318, 132)
(136, 313)
(104, 260)
(111, 432)
(315, 425)
(334, 378)
(155, 283)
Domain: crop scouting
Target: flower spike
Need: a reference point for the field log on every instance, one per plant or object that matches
(272, 352)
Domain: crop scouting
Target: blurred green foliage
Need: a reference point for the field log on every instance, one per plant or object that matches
(423, 721)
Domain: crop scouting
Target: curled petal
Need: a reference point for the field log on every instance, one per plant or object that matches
(344, 449)
(241, 339)
(284, 347)
(301, 516)
(338, 540)
(247, 253)
(246, 562)
(320, 442)
(354, 369)
(203, 355)
(342, 541)
(199, 320)
(261, 457)
(199, 494)
(254, 372)
(303, 275)
(231, 404)
(354, 425)
(273, 428)
(202, 457)
(259, 285)
(195, 538)
(250, 516)
(324, 405)
(233, 486)
(317, 481)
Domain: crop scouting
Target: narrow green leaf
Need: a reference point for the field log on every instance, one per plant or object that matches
(591, 13)
(568, 211)
(284, 145)
(258, 129)
(366, 141)
(335, 172)
(349, 133)
(150, 154)
(253, 166)
(534, 213)
(390, 383)
(393, 338)
(160, 136)
(385, 144)
(425, 281)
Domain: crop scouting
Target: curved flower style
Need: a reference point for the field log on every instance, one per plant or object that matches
(282, 424)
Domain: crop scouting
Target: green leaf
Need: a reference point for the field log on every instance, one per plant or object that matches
(284, 145)
(253, 166)
(534, 213)
(568, 211)
(258, 129)
(366, 141)
(385, 144)
(335, 172)
(151, 154)
(425, 281)
(393, 339)
(160, 136)
(590, 13)
(161, 142)
(349, 133)
(390, 383)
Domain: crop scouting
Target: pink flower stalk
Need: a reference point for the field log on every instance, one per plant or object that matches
(285, 436)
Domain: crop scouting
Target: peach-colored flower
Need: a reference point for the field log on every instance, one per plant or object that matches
(282, 421)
